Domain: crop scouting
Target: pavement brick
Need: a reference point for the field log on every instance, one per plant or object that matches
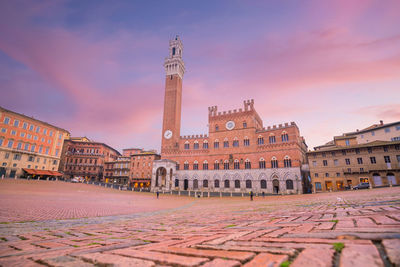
(137, 229)
(360, 256)
(392, 248)
(234, 255)
(314, 257)
(267, 259)
(221, 262)
(162, 258)
(64, 261)
(115, 260)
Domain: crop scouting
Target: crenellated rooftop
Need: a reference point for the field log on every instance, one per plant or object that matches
(277, 127)
(194, 136)
(248, 106)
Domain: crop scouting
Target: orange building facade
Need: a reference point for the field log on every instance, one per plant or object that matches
(238, 154)
(29, 147)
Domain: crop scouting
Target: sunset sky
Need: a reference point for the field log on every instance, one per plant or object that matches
(95, 68)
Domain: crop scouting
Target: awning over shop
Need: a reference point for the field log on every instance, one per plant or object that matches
(42, 172)
(141, 181)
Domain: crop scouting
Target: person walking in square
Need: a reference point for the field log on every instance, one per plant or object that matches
(251, 195)
(158, 193)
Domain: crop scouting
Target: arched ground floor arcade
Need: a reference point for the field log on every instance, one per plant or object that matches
(269, 181)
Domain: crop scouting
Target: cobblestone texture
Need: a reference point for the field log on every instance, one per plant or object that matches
(117, 228)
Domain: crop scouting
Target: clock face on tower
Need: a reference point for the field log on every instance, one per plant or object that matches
(230, 125)
(168, 134)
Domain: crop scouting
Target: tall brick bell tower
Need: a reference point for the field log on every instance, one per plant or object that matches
(174, 70)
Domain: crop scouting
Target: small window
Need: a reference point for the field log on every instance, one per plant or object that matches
(6, 120)
(315, 174)
(216, 128)
(359, 160)
(325, 162)
(244, 124)
(347, 142)
(347, 161)
(373, 160)
(387, 159)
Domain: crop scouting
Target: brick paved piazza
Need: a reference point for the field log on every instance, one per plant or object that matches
(62, 224)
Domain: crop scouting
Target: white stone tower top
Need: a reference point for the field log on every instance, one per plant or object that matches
(174, 64)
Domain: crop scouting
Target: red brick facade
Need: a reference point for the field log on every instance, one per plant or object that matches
(236, 150)
(86, 159)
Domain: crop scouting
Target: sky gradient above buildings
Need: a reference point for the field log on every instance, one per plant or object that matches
(95, 68)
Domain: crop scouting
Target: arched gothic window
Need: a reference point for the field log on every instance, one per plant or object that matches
(186, 165)
(289, 184)
(237, 184)
(216, 183)
(248, 184)
(263, 184)
(176, 183)
(236, 164)
(247, 164)
(226, 183)
(205, 165)
(261, 163)
(226, 142)
(216, 143)
(285, 137)
(205, 144)
(195, 184)
(246, 141)
(195, 165)
(187, 145)
(274, 162)
(205, 183)
(260, 140)
(216, 165)
(196, 145)
(177, 166)
(226, 165)
(272, 139)
(235, 142)
(287, 162)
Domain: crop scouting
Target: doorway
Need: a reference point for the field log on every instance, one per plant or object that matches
(185, 184)
(275, 185)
